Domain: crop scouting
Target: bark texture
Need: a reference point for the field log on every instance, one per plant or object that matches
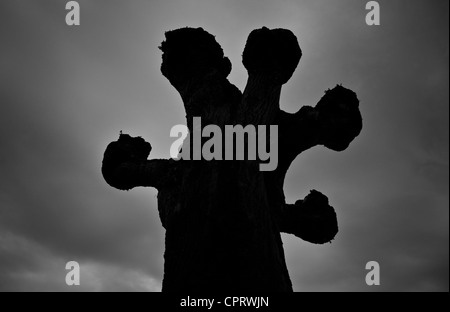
(223, 219)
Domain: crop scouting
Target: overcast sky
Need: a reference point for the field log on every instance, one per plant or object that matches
(66, 92)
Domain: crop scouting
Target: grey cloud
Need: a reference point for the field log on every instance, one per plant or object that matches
(65, 93)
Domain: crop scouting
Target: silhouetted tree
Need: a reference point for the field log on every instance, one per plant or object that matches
(223, 219)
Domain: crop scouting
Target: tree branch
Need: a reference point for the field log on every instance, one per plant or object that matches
(125, 165)
(334, 122)
(128, 175)
(311, 219)
(195, 65)
(270, 57)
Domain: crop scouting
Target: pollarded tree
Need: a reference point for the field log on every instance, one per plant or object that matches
(223, 219)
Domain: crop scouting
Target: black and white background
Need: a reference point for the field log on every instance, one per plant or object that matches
(66, 92)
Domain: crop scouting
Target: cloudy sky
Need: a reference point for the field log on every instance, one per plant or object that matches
(66, 92)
